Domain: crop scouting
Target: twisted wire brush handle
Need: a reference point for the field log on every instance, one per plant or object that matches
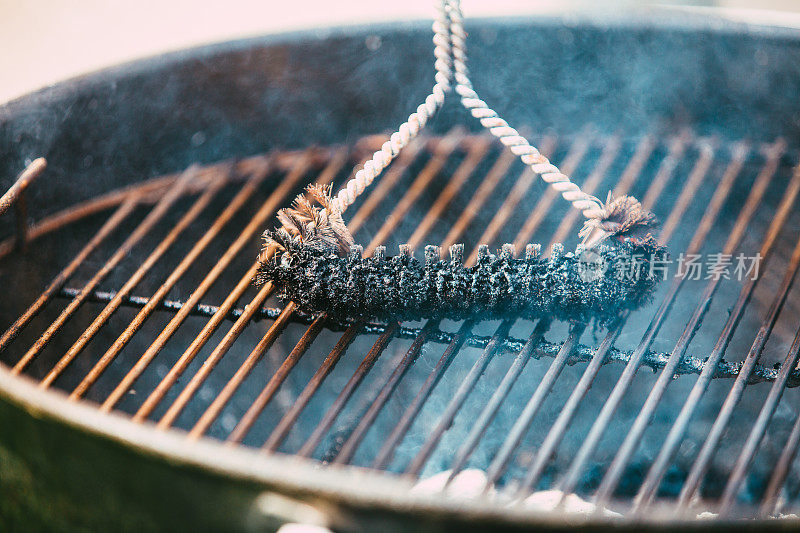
(590, 206)
(450, 50)
(615, 216)
(416, 121)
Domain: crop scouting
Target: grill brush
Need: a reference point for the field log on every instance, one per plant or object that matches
(315, 262)
(573, 286)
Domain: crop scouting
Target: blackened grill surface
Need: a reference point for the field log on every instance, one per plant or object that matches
(226, 367)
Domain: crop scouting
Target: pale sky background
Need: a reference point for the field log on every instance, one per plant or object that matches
(44, 41)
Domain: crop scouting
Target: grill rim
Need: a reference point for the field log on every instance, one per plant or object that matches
(350, 489)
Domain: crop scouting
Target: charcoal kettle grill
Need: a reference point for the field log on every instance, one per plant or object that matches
(146, 383)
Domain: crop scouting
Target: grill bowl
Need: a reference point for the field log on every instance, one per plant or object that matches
(653, 74)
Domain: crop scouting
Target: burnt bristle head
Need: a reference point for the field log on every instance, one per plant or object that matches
(590, 283)
(432, 255)
(532, 251)
(457, 254)
(483, 253)
(356, 252)
(556, 251)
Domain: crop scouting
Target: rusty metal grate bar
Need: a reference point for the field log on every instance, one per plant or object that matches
(581, 353)
(268, 209)
(580, 146)
(614, 474)
(475, 174)
(696, 177)
(560, 426)
(504, 455)
(650, 485)
(152, 219)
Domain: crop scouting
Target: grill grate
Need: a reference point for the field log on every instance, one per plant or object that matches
(438, 395)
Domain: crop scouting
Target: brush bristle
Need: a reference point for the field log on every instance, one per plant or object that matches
(565, 286)
(623, 216)
(318, 226)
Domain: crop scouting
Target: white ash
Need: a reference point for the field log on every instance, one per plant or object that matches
(550, 500)
(471, 483)
(466, 484)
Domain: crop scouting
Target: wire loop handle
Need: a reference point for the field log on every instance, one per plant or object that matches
(450, 51)
(489, 119)
(415, 122)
